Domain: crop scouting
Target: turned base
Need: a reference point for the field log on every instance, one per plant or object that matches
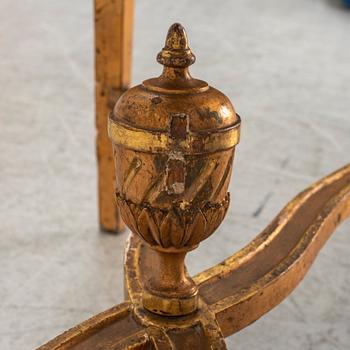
(168, 289)
(167, 306)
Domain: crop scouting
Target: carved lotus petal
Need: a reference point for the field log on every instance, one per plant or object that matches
(194, 229)
(172, 230)
(147, 227)
(215, 215)
(158, 217)
(127, 215)
(209, 219)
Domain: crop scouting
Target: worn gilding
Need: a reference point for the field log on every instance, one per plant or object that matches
(174, 139)
(172, 178)
(231, 296)
(158, 142)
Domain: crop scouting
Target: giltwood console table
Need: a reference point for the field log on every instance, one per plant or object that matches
(174, 139)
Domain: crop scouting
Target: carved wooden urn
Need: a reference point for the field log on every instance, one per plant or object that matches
(174, 139)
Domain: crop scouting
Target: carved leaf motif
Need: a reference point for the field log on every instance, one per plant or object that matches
(216, 219)
(178, 226)
(158, 216)
(208, 213)
(174, 228)
(214, 215)
(194, 229)
(171, 230)
(127, 215)
(148, 227)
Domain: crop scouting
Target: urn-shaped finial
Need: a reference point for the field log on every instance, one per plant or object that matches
(174, 138)
(176, 52)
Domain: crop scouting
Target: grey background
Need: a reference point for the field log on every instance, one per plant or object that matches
(284, 64)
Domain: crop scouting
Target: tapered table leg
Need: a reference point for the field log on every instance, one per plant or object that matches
(113, 39)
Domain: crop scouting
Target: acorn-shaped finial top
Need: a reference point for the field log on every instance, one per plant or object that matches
(176, 52)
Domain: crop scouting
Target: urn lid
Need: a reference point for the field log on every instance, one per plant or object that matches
(174, 100)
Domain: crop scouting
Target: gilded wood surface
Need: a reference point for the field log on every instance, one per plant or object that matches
(174, 139)
(233, 294)
(113, 36)
(261, 275)
(173, 198)
(158, 142)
